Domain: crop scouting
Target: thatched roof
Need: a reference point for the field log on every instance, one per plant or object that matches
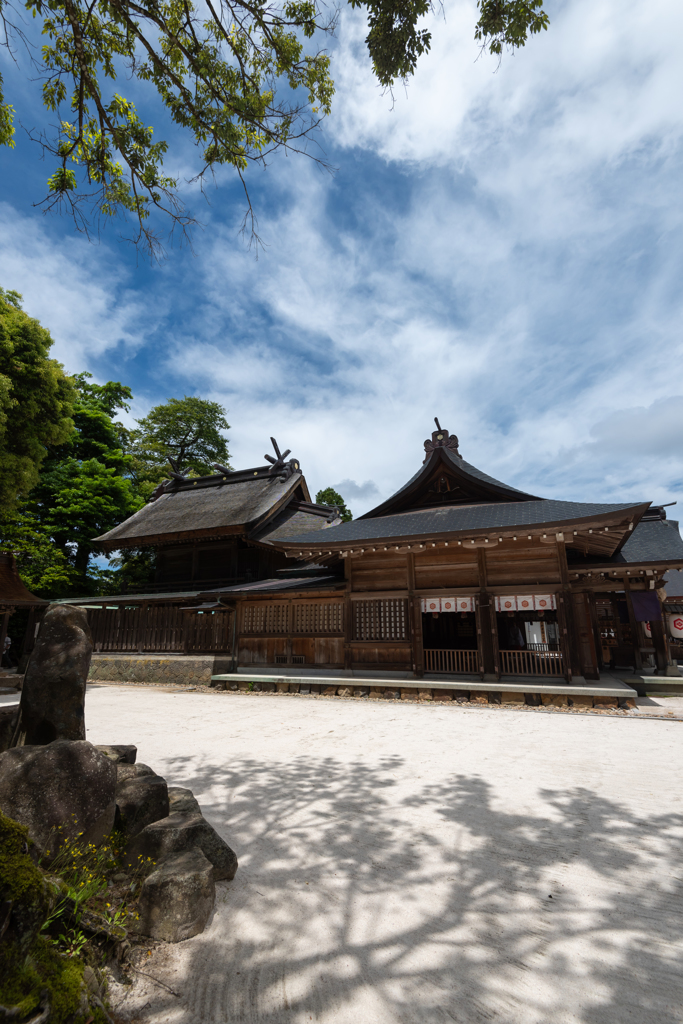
(12, 590)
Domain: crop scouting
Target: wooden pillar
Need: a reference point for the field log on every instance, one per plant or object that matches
(635, 626)
(568, 627)
(662, 657)
(415, 614)
(584, 631)
(348, 616)
(563, 621)
(489, 627)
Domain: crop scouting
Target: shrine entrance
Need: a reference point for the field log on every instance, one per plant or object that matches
(449, 636)
(529, 636)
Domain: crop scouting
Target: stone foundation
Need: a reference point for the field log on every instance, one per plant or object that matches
(415, 694)
(176, 670)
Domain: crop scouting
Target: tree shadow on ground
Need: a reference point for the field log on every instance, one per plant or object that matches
(357, 901)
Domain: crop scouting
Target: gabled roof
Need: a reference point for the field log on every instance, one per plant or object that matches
(446, 479)
(258, 503)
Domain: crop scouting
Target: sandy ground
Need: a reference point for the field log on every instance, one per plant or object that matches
(406, 864)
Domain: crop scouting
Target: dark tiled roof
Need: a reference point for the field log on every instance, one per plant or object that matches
(242, 503)
(657, 541)
(460, 467)
(674, 583)
(301, 583)
(460, 519)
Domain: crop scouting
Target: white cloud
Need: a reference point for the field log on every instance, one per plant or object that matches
(77, 290)
(502, 250)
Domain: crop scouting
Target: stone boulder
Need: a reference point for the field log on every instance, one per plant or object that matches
(53, 696)
(176, 834)
(176, 900)
(182, 801)
(67, 784)
(140, 801)
(132, 771)
(119, 753)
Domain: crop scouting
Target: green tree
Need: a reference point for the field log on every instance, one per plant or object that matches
(85, 487)
(36, 401)
(241, 79)
(43, 567)
(187, 430)
(329, 496)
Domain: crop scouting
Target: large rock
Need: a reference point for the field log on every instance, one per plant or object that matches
(132, 771)
(139, 802)
(176, 900)
(182, 801)
(67, 784)
(53, 697)
(177, 833)
(119, 753)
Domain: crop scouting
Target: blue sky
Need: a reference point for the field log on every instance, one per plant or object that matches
(501, 248)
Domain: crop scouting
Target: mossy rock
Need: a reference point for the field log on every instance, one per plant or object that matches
(25, 895)
(41, 979)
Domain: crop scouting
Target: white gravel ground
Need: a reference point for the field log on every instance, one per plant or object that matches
(406, 864)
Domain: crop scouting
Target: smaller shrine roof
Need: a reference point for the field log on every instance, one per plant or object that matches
(12, 589)
(652, 541)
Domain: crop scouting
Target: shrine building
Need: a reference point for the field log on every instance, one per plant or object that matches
(456, 576)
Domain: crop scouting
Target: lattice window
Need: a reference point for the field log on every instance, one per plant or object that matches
(266, 617)
(318, 617)
(380, 620)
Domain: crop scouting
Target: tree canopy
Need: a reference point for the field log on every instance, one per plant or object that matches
(85, 487)
(328, 496)
(240, 79)
(187, 430)
(36, 400)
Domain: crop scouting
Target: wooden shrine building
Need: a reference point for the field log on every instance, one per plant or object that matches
(457, 574)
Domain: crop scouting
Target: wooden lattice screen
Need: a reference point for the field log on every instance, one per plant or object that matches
(381, 619)
(318, 617)
(159, 628)
(264, 618)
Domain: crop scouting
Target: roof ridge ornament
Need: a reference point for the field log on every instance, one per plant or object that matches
(441, 439)
(278, 467)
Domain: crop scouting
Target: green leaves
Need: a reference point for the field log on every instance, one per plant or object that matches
(241, 79)
(329, 496)
(508, 23)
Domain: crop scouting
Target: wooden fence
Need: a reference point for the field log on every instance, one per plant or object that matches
(451, 661)
(160, 628)
(532, 663)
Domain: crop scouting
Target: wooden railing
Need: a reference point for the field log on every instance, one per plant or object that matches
(531, 663)
(452, 661)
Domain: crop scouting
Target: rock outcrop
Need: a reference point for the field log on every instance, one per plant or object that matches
(65, 784)
(53, 696)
